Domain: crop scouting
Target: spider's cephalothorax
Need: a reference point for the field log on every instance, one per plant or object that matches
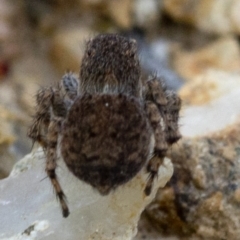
(111, 63)
(106, 119)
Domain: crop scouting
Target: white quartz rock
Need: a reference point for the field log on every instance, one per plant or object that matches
(29, 209)
(211, 117)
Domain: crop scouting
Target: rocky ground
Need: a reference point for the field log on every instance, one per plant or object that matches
(192, 45)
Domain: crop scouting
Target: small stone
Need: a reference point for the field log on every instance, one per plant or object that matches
(206, 231)
(237, 196)
(199, 177)
(213, 204)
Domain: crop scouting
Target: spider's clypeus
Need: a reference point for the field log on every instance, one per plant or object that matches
(106, 119)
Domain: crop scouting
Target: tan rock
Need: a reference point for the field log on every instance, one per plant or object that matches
(125, 13)
(203, 195)
(236, 196)
(147, 232)
(214, 16)
(67, 48)
(212, 116)
(202, 199)
(121, 12)
(183, 10)
(213, 204)
(218, 16)
(222, 54)
(208, 86)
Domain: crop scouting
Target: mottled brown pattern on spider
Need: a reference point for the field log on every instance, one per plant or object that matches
(113, 141)
(106, 119)
(111, 63)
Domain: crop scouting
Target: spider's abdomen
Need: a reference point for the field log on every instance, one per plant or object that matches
(106, 140)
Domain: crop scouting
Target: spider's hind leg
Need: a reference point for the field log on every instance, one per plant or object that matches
(51, 154)
(163, 108)
(152, 168)
(160, 147)
(45, 129)
(171, 117)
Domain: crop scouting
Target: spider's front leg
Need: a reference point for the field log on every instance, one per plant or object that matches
(38, 130)
(54, 129)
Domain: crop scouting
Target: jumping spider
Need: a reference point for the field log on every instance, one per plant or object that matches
(106, 119)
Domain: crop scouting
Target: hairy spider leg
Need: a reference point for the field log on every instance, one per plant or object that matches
(160, 147)
(163, 112)
(51, 161)
(41, 119)
(51, 111)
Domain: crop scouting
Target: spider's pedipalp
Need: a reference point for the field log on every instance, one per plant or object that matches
(58, 105)
(156, 92)
(70, 84)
